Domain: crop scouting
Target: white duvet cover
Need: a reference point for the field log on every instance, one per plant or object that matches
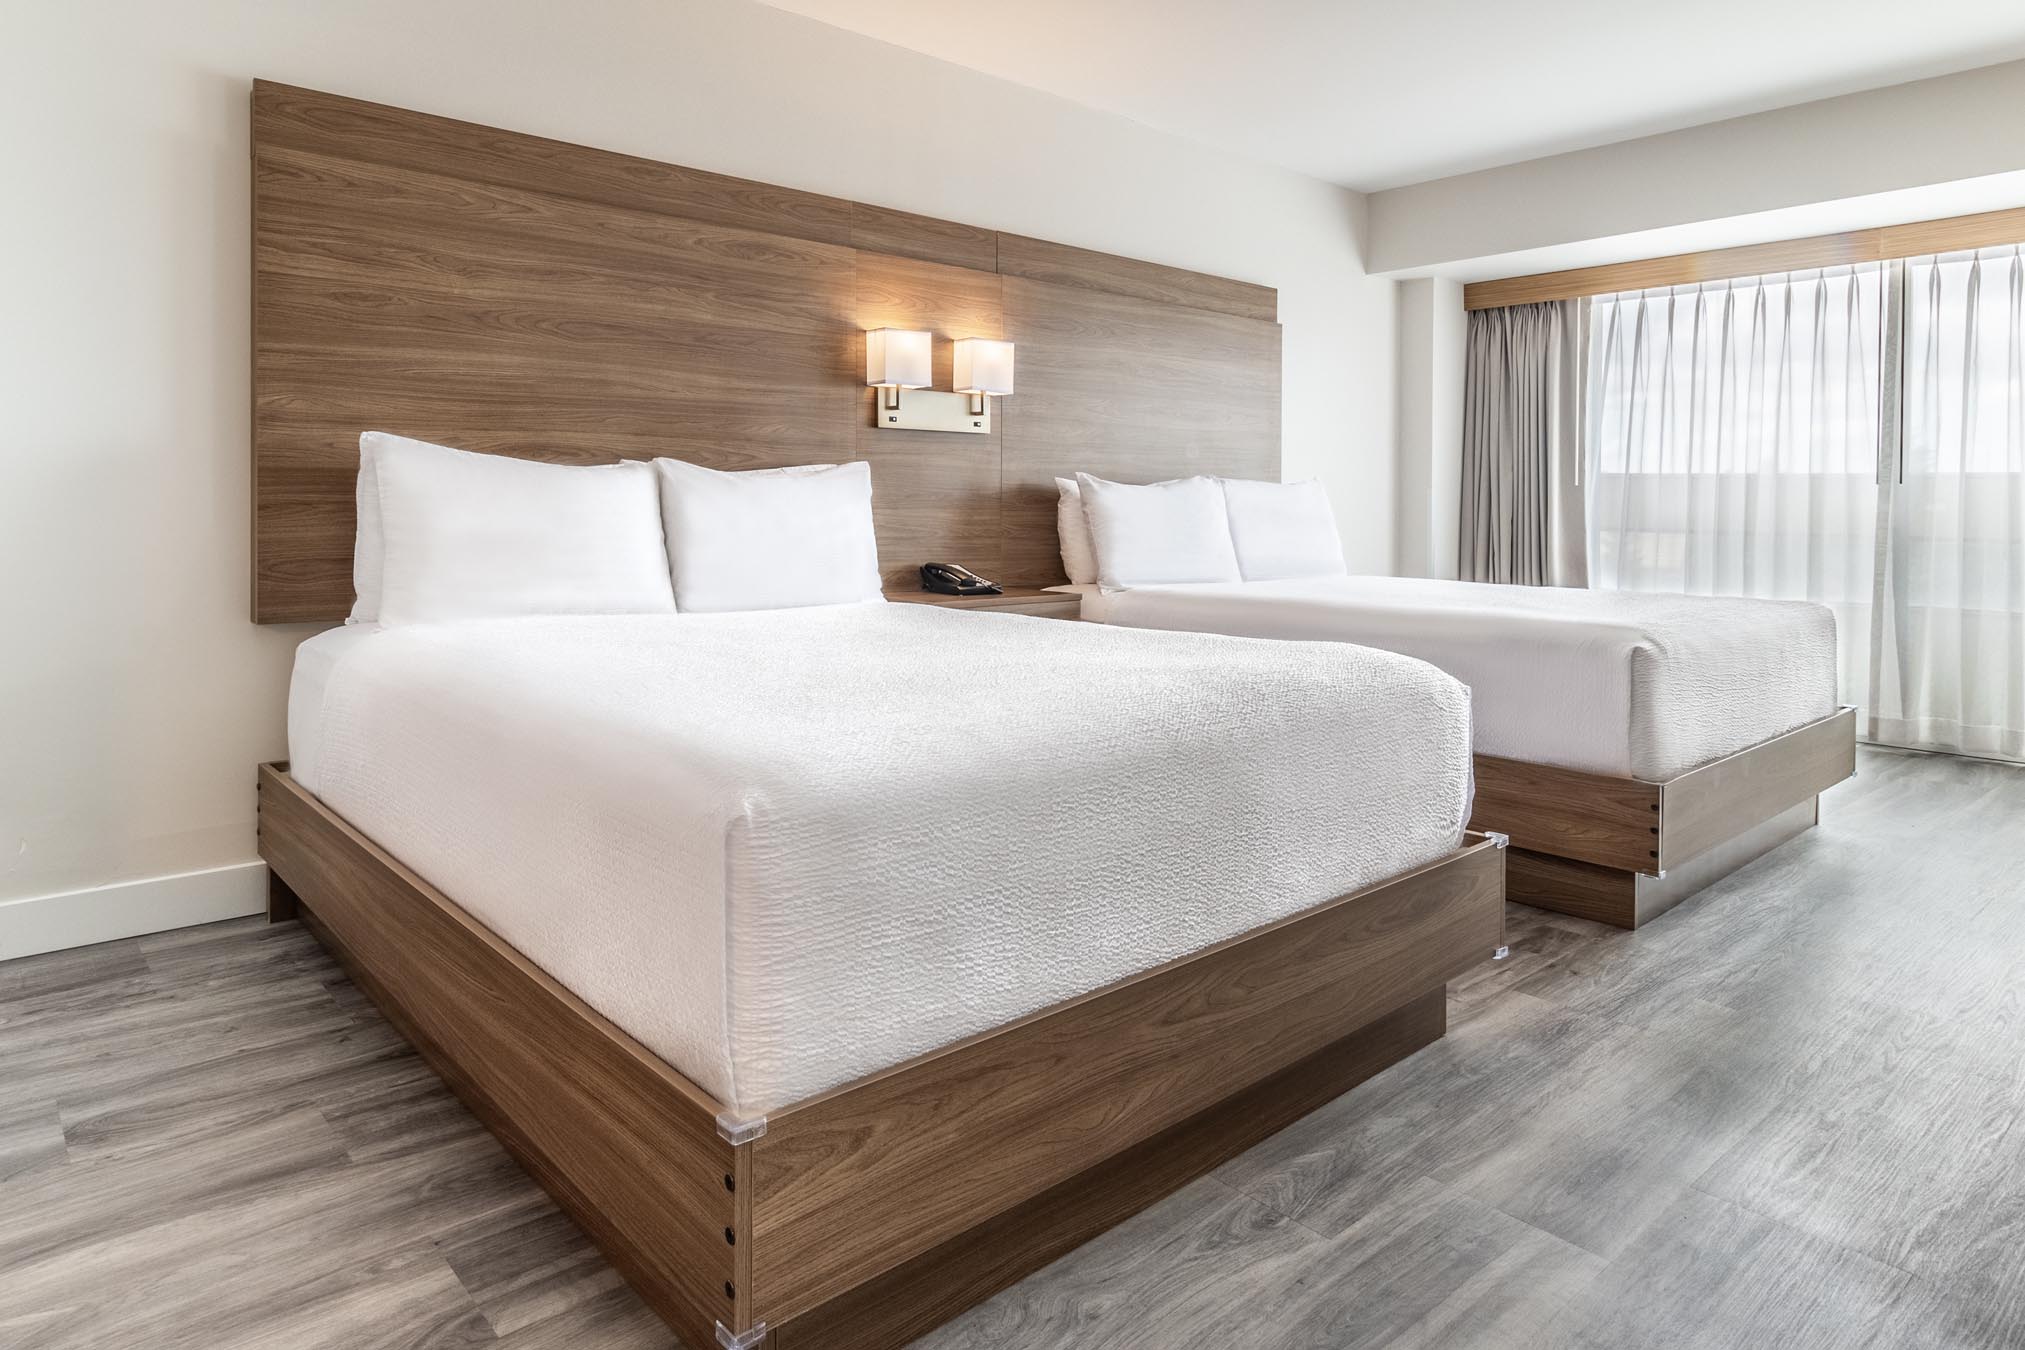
(1613, 682)
(787, 849)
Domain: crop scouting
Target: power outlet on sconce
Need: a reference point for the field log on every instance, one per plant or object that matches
(932, 410)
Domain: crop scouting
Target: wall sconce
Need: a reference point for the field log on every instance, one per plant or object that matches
(896, 359)
(900, 358)
(984, 368)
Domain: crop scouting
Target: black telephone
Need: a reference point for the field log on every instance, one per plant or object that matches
(949, 579)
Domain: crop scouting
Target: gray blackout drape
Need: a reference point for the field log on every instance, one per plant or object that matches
(1523, 394)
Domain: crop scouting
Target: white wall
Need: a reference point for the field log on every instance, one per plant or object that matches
(1944, 130)
(1432, 330)
(135, 698)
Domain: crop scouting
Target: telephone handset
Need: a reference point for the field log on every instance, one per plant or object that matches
(949, 579)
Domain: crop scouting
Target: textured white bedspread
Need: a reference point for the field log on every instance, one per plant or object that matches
(787, 849)
(1613, 682)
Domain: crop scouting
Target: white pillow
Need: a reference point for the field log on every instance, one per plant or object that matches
(1283, 529)
(769, 538)
(1079, 555)
(367, 545)
(487, 536)
(1164, 532)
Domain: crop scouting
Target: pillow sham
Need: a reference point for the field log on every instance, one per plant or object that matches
(1283, 529)
(1163, 532)
(769, 538)
(1079, 556)
(469, 536)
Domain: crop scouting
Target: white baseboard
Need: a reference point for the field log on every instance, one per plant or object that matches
(48, 923)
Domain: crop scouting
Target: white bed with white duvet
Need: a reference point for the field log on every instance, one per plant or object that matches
(1618, 734)
(784, 849)
(1620, 683)
(743, 905)
(1609, 682)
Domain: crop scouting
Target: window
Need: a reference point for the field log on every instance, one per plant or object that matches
(1853, 436)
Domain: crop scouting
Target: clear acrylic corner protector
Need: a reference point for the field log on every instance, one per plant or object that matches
(740, 1130)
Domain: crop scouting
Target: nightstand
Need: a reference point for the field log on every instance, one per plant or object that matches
(1016, 600)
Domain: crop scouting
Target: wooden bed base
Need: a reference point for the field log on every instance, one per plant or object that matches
(1624, 851)
(864, 1216)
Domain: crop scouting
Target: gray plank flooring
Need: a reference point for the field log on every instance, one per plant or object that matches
(1792, 1113)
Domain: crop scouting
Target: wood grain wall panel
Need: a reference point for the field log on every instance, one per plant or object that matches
(1131, 389)
(503, 321)
(303, 119)
(902, 234)
(507, 294)
(951, 302)
(403, 226)
(935, 496)
(1064, 265)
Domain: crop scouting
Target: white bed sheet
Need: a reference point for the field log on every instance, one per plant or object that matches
(314, 661)
(1612, 682)
(788, 849)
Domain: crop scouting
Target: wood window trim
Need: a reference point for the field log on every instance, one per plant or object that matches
(1878, 244)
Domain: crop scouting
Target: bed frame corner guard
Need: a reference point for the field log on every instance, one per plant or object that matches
(860, 1218)
(1624, 851)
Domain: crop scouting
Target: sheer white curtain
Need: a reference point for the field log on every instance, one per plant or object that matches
(1950, 652)
(1733, 436)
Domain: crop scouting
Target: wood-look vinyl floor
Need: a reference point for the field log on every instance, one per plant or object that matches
(1790, 1113)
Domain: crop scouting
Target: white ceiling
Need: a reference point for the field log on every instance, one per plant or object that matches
(1374, 95)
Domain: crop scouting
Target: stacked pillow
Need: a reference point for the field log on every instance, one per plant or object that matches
(445, 534)
(1194, 530)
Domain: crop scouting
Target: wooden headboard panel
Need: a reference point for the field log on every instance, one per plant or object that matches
(512, 295)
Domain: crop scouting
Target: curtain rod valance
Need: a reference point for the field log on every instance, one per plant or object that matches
(1879, 244)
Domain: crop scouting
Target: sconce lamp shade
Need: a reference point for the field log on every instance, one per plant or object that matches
(899, 357)
(984, 366)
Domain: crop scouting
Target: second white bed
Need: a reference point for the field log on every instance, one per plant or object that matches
(1621, 683)
(786, 849)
